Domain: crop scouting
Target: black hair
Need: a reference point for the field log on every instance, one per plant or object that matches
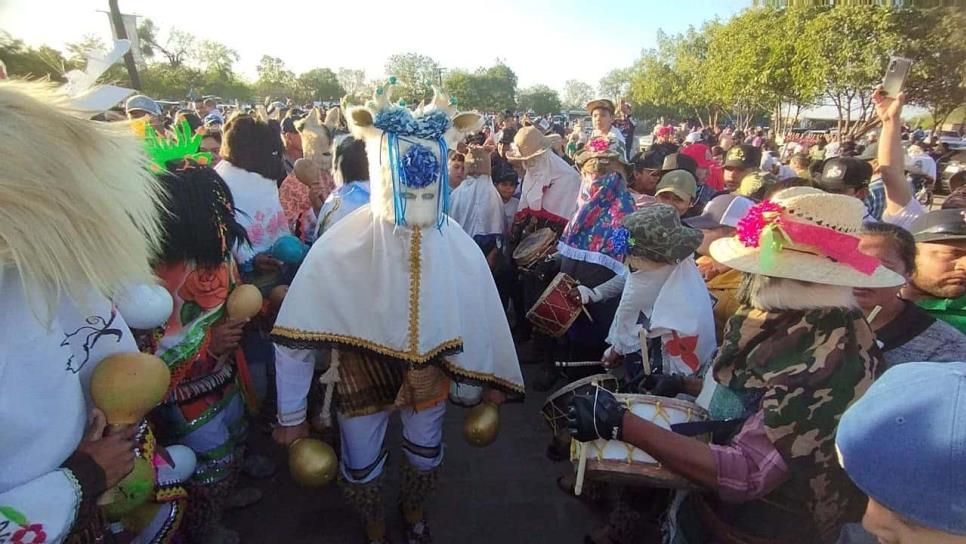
(255, 146)
(770, 189)
(902, 242)
(194, 122)
(200, 223)
(352, 160)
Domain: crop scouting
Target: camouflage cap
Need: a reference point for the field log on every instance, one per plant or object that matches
(656, 233)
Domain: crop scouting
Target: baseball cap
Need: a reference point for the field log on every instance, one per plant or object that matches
(903, 443)
(743, 156)
(679, 161)
(679, 182)
(870, 152)
(843, 172)
(755, 184)
(693, 137)
(939, 225)
(650, 160)
(139, 102)
(721, 211)
(920, 165)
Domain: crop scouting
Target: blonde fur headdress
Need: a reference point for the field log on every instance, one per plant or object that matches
(78, 205)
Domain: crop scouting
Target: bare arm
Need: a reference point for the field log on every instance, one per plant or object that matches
(891, 160)
(683, 455)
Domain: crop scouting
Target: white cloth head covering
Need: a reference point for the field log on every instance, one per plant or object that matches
(477, 206)
(550, 186)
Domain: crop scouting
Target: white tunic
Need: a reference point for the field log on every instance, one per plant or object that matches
(44, 375)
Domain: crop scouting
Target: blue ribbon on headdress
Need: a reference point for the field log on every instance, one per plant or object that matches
(400, 178)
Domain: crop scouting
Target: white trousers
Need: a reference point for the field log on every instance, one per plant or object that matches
(363, 458)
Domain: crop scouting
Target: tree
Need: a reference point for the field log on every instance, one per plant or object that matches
(488, 89)
(176, 49)
(318, 83)
(540, 99)
(616, 84)
(577, 94)
(215, 58)
(274, 79)
(416, 74)
(353, 82)
(937, 81)
(77, 52)
(851, 46)
(28, 62)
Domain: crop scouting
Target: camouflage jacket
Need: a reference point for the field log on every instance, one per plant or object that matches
(808, 367)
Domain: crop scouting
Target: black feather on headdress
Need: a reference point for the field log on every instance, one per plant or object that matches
(200, 225)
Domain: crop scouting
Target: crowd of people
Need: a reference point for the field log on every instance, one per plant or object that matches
(332, 268)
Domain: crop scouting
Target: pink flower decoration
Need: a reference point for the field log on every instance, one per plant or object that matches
(599, 145)
(758, 217)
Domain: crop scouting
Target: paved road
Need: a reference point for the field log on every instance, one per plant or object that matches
(503, 494)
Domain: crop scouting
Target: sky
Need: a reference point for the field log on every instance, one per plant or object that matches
(543, 41)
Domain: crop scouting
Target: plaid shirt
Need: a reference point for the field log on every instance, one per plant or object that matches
(876, 201)
(750, 466)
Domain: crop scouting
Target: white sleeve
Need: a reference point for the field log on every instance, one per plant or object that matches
(41, 510)
(904, 217)
(293, 378)
(611, 288)
(624, 332)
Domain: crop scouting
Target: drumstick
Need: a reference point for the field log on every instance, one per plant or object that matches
(872, 315)
(581, 468)
(645, 359)
(586, 313)
(576, 364)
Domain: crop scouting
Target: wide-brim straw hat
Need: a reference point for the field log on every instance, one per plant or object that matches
(833, 222)
(529, 143)
(600, 103)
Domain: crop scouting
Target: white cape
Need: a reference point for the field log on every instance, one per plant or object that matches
(415, 296)
(550, 186)
(682, 318)
(477, 206)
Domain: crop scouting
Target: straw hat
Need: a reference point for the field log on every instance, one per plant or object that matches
(805, 234)
(602, 103)
(530, 142)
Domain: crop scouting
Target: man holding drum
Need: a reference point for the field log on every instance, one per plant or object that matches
(795, 355)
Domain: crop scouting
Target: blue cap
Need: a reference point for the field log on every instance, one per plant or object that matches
(904, 443)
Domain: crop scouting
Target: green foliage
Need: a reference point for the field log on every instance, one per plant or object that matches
(540, 99)
(28, 62)
(488, 89)
(616, 84)
(274, 79)
(934, 38)
(353, 82)
(577, 94)
(416, 75)
(318, 84)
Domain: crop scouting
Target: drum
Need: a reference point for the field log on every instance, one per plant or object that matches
(557, 404)
(616, 461)
(534, 247)
(558, 306)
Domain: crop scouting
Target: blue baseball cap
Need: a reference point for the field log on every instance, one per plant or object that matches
(904, 443)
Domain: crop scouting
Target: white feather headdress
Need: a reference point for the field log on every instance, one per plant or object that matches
(78, 206)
